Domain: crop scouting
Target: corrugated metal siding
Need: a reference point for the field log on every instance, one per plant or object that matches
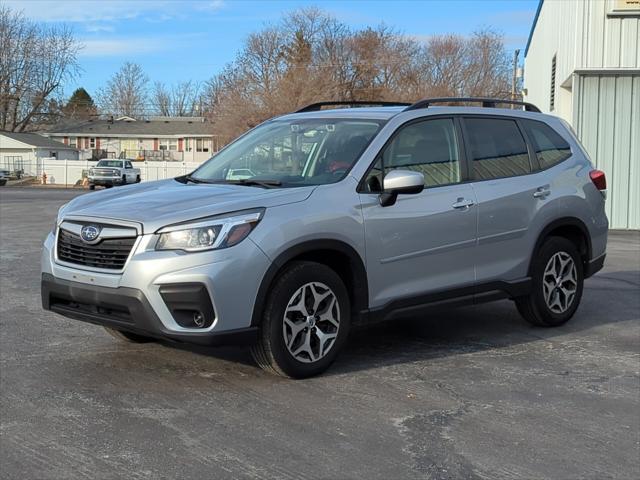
(583, 36)
(608, 124)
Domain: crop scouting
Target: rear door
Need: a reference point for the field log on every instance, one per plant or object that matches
(500, 166)
(425, 242)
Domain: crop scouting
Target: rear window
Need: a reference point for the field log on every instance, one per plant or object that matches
(497, 148)
(549, 146)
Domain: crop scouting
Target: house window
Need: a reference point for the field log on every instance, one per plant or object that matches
(73, 141)
(92, 143)
(552, 96)
(187, 144)
(168, 144)
(203, 144)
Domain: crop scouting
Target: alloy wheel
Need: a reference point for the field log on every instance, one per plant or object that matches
(311, 322)
(560, 282)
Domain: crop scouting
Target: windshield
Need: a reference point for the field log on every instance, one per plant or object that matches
(109, 163)
(290, 153)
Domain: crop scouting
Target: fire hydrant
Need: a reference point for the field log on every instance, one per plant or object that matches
(44, 178)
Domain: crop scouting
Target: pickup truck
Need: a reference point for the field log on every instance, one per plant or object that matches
(108, 173)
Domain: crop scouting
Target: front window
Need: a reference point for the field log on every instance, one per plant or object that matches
(92, 143)
(292, 153)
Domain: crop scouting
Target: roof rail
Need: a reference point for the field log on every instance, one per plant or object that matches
(486, 102)
(314, 107)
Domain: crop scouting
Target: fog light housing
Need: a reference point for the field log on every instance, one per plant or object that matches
(189, 304)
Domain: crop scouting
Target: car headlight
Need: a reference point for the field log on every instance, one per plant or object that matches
(209, 234)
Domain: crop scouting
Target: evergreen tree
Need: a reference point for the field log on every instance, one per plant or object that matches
(80, 105)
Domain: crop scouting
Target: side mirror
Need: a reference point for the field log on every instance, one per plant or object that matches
(398, 182)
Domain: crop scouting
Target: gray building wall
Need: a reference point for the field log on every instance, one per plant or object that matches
(607, 121)
(596, 44)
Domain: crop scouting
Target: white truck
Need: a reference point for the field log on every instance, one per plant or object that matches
(108, 173)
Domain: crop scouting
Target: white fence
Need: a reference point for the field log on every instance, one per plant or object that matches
(71, 172)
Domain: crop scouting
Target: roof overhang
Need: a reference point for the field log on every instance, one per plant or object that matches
(533, 27)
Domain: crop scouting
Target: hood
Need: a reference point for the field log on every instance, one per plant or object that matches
(165, 202)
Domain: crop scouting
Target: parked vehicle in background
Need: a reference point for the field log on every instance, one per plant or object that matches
(4, 177)
(321, 219)
(108, 173)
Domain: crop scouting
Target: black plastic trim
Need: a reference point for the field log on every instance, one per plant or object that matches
(594, 266)
(185, 299)
(134, 313)
(470, 295)
(559, 223)
(486, 102)
(314, 107)
(356, 265)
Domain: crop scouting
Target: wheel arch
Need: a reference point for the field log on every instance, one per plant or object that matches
(336, 254)
(571, 228)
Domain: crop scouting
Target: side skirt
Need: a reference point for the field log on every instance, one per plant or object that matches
(475, 295)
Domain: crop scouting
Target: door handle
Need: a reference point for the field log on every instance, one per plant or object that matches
(542, 192)
(462, 204)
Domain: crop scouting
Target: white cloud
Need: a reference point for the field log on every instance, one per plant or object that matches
(97, 28)
(125, 46)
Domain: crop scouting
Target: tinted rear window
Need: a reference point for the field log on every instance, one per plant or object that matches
(549, 146)
(497, 148)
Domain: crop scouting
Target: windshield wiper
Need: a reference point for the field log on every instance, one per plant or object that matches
(191, 179)
(260, 183)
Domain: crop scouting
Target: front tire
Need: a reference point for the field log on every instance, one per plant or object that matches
(124, 179)
(127, 336)
(557, 276)
(306, 321)
(92, 186)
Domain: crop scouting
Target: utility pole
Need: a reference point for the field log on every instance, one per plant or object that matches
(514, 78)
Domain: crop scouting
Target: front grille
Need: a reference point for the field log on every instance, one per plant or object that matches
(103, 172)
(111, 253)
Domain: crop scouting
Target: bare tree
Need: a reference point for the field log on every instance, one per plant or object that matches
(35, 61)
(126, 92)
(181, 100)
(310, 56)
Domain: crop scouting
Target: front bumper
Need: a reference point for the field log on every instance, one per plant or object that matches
(148, 295)
(105, 180)
(126, 309)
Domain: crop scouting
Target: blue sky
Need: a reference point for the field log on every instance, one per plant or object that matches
(192, 40)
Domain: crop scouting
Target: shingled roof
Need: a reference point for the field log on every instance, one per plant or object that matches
(155, 127)
(36, 140)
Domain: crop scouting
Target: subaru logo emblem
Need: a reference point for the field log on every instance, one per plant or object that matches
(89, 233)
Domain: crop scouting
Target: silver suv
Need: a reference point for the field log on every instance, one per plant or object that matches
(326, 218)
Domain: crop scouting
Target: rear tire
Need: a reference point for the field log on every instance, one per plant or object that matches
(305, 323)
(138, 179)
(92, 186)
(557, 276)
(127, 336)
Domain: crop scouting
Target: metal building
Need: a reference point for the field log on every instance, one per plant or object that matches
(582, 63)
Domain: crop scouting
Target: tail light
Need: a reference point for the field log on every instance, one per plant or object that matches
(599, 179)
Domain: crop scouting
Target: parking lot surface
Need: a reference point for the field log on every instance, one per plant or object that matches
(468, 393)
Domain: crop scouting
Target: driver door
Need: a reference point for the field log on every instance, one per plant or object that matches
(424, 243)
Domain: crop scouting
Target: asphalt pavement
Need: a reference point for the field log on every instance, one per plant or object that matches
(469, 393)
